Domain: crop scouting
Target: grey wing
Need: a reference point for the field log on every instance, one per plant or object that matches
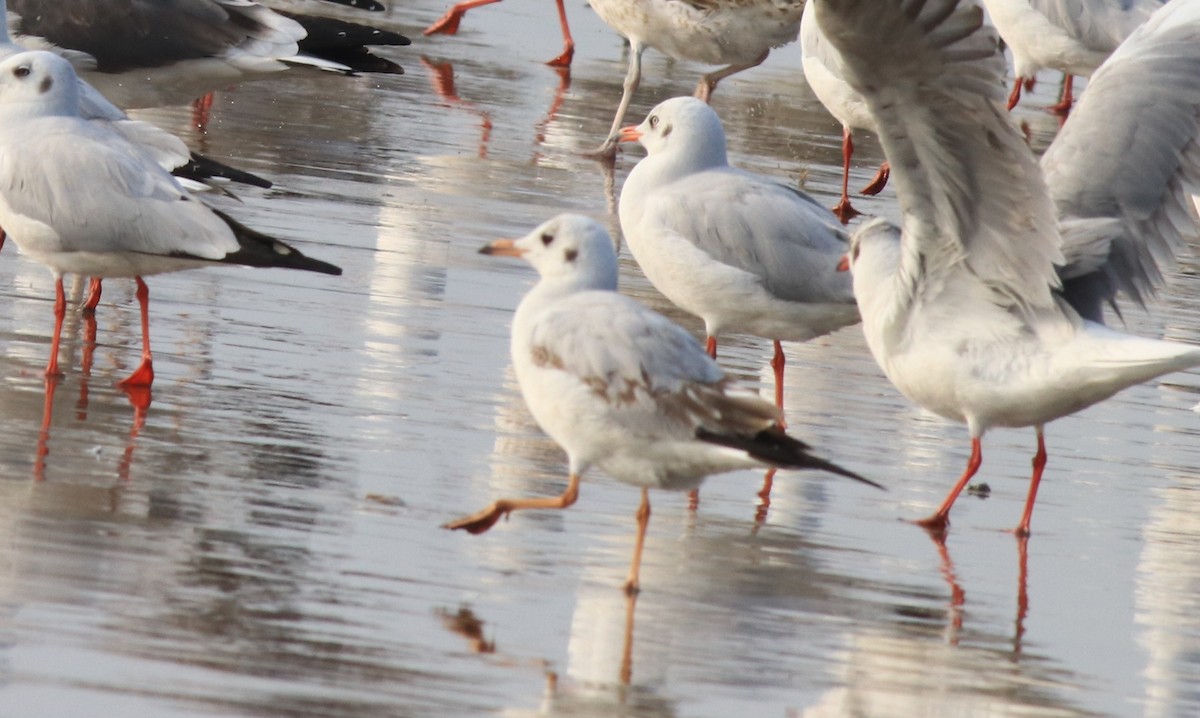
(99, 193)
(129, 34)
(972, 196)
(1124, 167)
(777, 233)
(1099, 25)
(609, 340)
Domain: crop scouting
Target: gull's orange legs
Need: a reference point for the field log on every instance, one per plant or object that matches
(479, 522)
(93, 297)
(564, 58)
(643, 520)
(937, 522)
(842, 209)
(60, 311)
(1039, 463)
(144, 374)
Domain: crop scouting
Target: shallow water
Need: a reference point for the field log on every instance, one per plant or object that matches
(263, 540)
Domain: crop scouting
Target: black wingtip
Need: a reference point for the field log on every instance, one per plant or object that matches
(261, 250)
(775, 447)
(201, 168)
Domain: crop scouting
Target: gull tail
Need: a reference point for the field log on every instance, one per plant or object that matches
(260, 250)
(201, 169)
(343, 46)
(775, 447)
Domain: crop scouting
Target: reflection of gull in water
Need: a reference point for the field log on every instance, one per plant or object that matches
(621, 387)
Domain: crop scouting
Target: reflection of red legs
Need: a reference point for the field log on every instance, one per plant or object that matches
(143, 376)
(937, 522)
(43, 442)
(442, 78)
(627, 653)
(958, 597)
(93, 297)
(643, 520)
(764, 497)
(1022, 593)
(1039, 464)
(85, 369)
(60, 311)
(842, 209)
(139, 397)
(560, 94)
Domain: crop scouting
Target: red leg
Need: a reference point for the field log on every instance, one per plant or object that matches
(448, 24)
(879, 181)
(1039, 463)
(564, 59)
(93, 297)
(144, 374)
(1015, 96)
(1063, 107)
(635, 568)
(940, 519)
(710, 346)
(60, 311)
(842, 209)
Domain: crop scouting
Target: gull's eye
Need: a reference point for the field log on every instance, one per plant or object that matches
(653, 121)
(547, 238)
(21, 71)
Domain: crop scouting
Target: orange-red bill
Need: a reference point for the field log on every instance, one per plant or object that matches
(844, 263)
(502, 248)
(629, 134)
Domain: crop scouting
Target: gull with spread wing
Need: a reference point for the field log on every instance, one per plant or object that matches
(623, 388)
(963, 306)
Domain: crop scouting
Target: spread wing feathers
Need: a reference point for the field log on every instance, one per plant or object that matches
(761, 227)
(970, 189)
(1124, 167)
(99, 193)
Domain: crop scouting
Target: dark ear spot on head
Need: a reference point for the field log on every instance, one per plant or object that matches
(47, 83)
(571, 254)
(547, 238)
(667, 130)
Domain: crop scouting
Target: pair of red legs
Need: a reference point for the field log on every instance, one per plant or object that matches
(448, 24)
(1066, 97)
(939, 521)
(844, 211)
(481, 521)
(143, 376)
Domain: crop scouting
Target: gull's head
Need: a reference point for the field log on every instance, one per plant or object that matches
(684, 127)
(873, 258)
(569, 246)
(38, 83)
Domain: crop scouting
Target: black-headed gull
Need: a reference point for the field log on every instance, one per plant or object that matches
(623, 388)
(961, 306)
(1073, 36)
(155, 53)
(736, 33)
(822, 65)
(742, 251)
(80, 198)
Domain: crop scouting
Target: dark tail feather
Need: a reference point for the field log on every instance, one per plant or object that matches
(346, 42)
(201, 168)
(775, 447)
(260, 250)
